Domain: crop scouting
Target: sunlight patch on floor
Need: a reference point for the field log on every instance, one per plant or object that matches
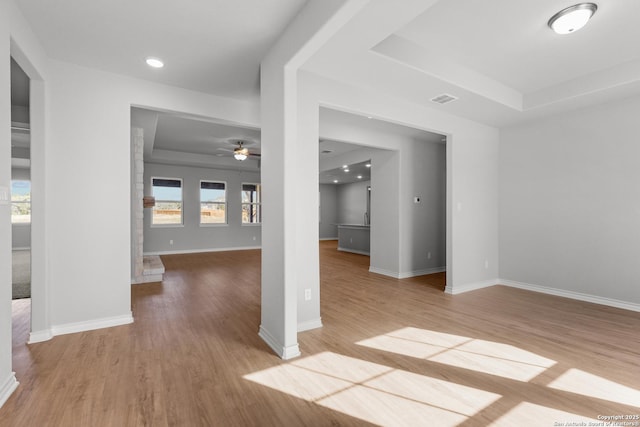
(586, 384)
(529, 414)
(463, 352)
(373, 392)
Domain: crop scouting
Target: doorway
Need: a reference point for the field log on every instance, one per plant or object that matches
(20, 187)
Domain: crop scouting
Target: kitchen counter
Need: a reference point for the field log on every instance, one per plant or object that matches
(354, 238)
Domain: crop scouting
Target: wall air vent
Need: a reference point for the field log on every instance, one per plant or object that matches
(326, 151)
(445, 98)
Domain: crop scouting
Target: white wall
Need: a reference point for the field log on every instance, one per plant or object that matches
(328, 211)
(569, 205)
(404, 169)
(352, 202)
(472, 179)
(426, 234)
(191, 236)
(17, 40)
(7, 379)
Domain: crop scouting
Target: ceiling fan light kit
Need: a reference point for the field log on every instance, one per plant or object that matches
(240, 153)
(572, 18)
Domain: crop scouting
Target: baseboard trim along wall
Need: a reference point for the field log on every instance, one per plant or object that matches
(90, 325)
(285, 353)
(467, 287)
(353, 251)
(573, 295)
(310, 324)
(8, 387)
(328, 238)
(40, 336)
(197, 251)
(406, 274)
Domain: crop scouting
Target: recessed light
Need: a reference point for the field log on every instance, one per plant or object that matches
(368, 165)
(346, 170)
(344, 166)
(572, 18)
(369, 117)
(359, 176)
(154, 62)
(335, 181)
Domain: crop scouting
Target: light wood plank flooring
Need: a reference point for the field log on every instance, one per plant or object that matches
(391, 352)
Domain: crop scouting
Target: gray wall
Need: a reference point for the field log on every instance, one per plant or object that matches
(419, 169)
(328, 211)
(20, 233)
(428, 181)
(569, 205)
(352, 202)
(191, 236)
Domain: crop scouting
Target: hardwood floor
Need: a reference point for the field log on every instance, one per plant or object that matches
(391, 352)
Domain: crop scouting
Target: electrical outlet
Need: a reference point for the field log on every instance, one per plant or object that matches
(428, 255)
(307, 294)
(254, 238)
(171, 242)
(486, 264)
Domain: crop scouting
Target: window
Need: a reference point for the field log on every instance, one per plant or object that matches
(20, 202)
(213, 202)
(251, 198)
(168, 208)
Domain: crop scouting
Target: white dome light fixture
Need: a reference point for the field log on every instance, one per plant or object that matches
(572, 18)
(154, 62)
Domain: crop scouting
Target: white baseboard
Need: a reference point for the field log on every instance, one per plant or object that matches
(310, 324)
(353, 251)
(40, 336)
(458, 289)
(384, 272)
(328, 238)
(285, 353)
(424, 271)
(8, 387)
(197, 251)
(90, 325)
(406, 274)
(21, 249)
(573, 295)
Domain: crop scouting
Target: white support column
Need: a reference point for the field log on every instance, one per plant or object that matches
(278, 319)
(40, 292)
(307, 212)
(290, 238)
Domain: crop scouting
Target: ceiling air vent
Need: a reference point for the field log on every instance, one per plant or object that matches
(443, 99)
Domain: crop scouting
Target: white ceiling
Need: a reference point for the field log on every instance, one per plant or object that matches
(211, 46)
(498, 57)
(509, 41)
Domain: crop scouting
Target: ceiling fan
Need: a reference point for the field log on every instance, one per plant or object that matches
(241, 152)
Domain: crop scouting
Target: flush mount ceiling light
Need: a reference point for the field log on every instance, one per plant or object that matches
(573, 18)
(154, 62)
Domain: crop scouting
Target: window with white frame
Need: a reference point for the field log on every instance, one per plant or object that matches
(168, 207)
(213, 202)
(251, 199)
(20, 202)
